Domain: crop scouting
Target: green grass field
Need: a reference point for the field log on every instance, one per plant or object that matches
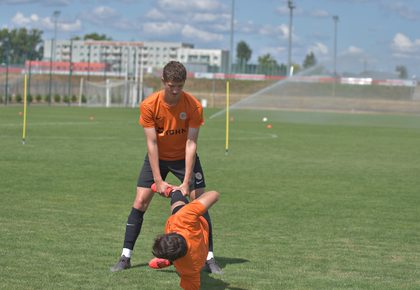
(319, 201)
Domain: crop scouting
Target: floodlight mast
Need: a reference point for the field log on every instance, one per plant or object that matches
(52, 52)
(291, 7)
(6, 53)
(232, 23)
(335, 18)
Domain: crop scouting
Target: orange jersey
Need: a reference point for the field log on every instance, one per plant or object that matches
(171, 122)
(189, 223)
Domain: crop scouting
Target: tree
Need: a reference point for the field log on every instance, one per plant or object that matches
(18, 45)
(268, 65)
(309, 61)
(96, 36)
(402, 71)
(243, 53)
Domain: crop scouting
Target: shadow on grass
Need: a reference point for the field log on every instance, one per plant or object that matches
(168, 270)
(208, 281)
(140, 265)
(223, 261)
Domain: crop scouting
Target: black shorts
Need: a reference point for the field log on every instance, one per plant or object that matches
(177, 168)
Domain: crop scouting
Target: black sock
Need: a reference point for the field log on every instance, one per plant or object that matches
(177, 196)
(207, 217)
(133, 227)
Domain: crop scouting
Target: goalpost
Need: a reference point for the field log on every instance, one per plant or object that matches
(110, 93)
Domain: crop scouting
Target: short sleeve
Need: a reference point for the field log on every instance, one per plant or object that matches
(146, 116)
(197, 118)
(194, 208)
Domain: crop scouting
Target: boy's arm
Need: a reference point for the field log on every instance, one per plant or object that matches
(153, 153)
(208, 198)
(190, 153)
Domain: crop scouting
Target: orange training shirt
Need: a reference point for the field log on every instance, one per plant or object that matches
(171, 122)
(189, 223)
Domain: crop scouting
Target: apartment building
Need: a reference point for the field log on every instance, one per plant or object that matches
(123, 57)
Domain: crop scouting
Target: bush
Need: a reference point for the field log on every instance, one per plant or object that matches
(29, 98)
(66, 99)
(84, 100)
(57, 98)
(18, 98)
(73, 99)
(38, 98)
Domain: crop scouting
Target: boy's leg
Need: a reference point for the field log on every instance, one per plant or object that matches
(177, 201)
(135, 219)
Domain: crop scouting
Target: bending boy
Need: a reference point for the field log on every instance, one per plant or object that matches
(185, 242)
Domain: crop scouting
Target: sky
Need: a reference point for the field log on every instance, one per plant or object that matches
(375, 35)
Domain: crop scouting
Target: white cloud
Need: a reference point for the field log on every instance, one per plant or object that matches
(205, 17)
(354, 50)
(46, 23)
(193, 33)
(403, 10)
(126, 24)
(70, 26)
(101, 16)
(17, 1)
(20, 20)
(284, 30)
(247, 27)
(402, 44)
(283, 10)
(318, 49)
(155, 14)
(199, 17)
(162, 28)
(320, 13)
(54, 3)
(104, 11)
(269, 30)
(189, 5)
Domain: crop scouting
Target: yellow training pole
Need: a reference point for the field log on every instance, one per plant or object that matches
(227, 118)
(25, 86)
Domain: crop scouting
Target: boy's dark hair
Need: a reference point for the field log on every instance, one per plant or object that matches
(170, 247)
(174, 71)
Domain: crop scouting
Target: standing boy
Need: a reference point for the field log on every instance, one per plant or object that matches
(171, 119)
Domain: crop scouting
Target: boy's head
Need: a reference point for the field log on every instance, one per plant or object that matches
(170, 246)
(174, 71)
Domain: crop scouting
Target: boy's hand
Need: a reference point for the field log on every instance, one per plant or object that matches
(166, 192)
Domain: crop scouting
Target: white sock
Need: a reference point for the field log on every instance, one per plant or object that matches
(126, 252)
(210, 255)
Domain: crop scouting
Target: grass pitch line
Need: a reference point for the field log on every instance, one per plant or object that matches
(48, 124)
(266, 137)
(262, 136)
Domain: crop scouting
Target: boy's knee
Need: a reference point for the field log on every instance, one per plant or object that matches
(143, 198)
